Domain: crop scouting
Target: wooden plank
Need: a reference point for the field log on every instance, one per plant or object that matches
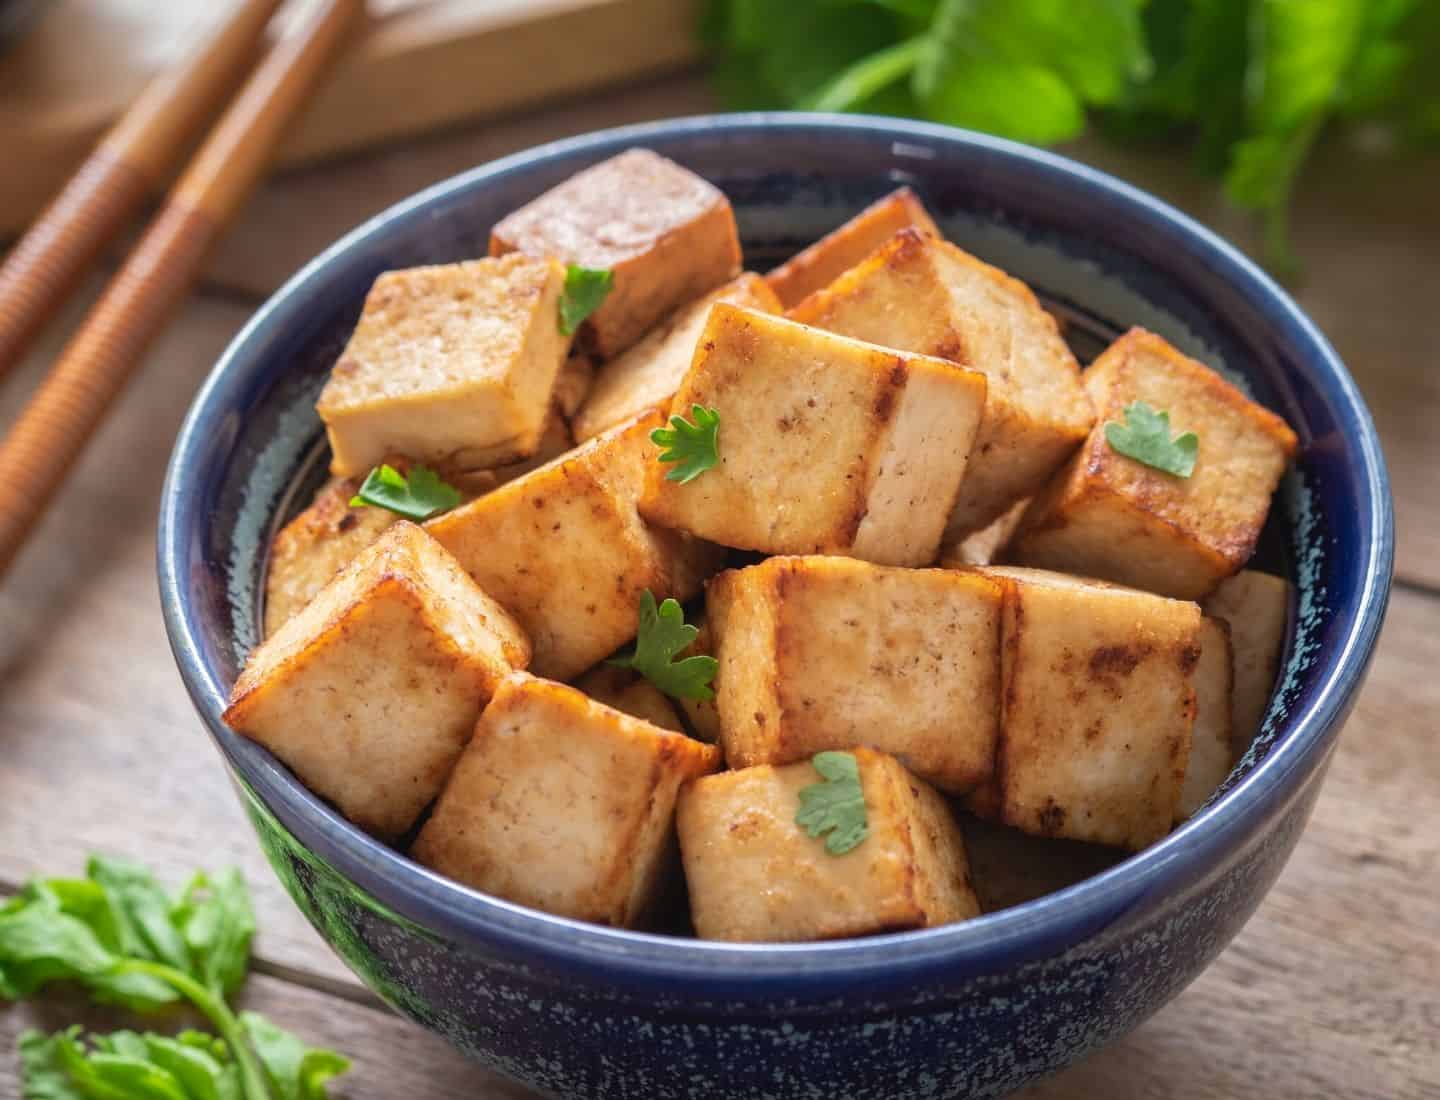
(421, 64)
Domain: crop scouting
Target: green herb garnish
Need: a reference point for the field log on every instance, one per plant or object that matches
(836, 805)
(662, 634)
(1145, 437)
(585, 289)
(694, 448)
(117, 934)
(422, 495)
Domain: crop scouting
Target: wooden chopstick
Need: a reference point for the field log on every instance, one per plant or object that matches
(130, 162)
(55, 426)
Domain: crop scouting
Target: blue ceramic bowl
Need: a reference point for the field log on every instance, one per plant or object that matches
(973, 1009)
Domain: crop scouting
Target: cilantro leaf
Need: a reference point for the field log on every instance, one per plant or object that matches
(124, 1066)
(662, 634)
(418, 497)
(695, 447)
(217, 921)
(295, 1071)
(836, 805)
(585, 289)
(1145, 437)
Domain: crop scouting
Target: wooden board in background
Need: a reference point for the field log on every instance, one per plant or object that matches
(421, 64)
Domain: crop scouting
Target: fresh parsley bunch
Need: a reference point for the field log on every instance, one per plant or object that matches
(119, 935)
(1249, 83)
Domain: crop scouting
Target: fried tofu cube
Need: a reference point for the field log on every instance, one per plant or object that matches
(631, 694)
(370, 692)
(555, 440)
(837, 252)
(573, 385)
(824, 652)
(1256, 606)
(924, 295)
(647, 375)
(826, 445)
(668, 236)
(757, 876)
(1009, 867)
(1212, 753)
(564, 549)
(452, 364)
(564, 804)
(986, 546)
(1099, 690)
(1106, 515)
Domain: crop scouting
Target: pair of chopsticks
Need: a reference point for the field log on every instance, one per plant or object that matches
(44, 267)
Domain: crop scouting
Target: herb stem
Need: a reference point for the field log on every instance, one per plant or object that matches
(868, 76)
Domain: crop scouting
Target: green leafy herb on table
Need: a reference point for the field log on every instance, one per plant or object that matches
(663, 633)
(1250, 84)
(694, 448)
(119, 935)
(418, 497)
(1145, 437)
(586, 288)
(836, 805)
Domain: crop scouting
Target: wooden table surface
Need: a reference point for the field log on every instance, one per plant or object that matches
(1333, 989)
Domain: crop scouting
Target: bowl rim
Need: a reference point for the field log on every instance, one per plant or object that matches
(984, 945)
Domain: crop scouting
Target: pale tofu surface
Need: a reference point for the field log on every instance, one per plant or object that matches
(1108, 515)
(756, 876)
(825, 652)
(826, 444)
(1211, 744)
(647, 375)
(452, 364)
(1256, 606)
(370, 691)
(573, 384)
(630, 693)
(564, 549)
(925, 295)
(666, 234)
(1099, 706)
(563, 804)
(835, 253)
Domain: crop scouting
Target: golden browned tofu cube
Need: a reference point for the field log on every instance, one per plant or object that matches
(986, 546)
(1256, 606)
(925, 295)
(1099, 690)
(1212, 754)
(564, 549)
(823, 653)
(757, 876)
(370, 692)
(1106, 515)
(837, 252)
(668, 236)
(449, 365)
(563, 804)
(647, 375)
(630, 693)
(555, 440)
(1009, 867)
(826, 445)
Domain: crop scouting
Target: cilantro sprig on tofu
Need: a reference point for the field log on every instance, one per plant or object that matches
(835, 805)
(694, 448)
(663, 633)
(418, 497)
(586, 289)
(1145, 437)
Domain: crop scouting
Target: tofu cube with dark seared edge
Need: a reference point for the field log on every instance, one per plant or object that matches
(666, 234)
(370, 692)
(826, 445)
(925, 295)
(564, 804)
(1256, 606)
(449, 365)
(756, 876)
(824, 652)
(1212, 752)
(564, 549)
(1099, 706)
(835, 253)
(647, 375)
(1110, 516)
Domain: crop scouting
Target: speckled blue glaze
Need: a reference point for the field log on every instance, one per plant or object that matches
(970, 1010)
